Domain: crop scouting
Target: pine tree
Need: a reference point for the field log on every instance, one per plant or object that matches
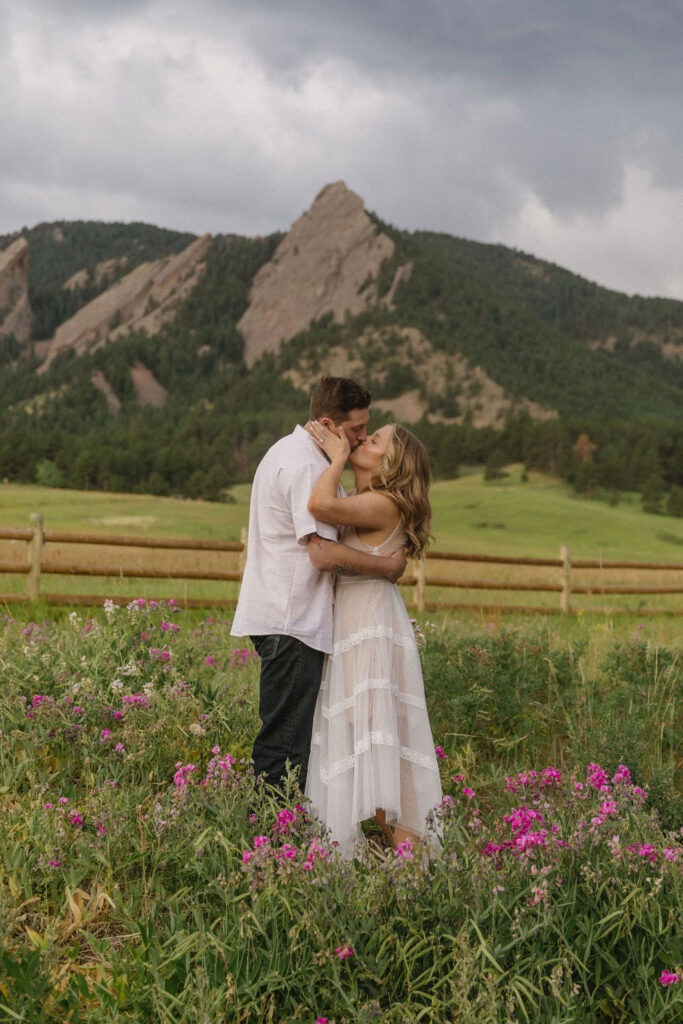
(674, 505)
(653, 492)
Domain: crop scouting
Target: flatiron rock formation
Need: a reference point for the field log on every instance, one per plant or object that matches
(108, 268)
(15, 310)
(327, 263)
(143, 300)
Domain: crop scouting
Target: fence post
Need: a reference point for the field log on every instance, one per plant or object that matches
(244, 535)
(418, 566)
(566, 580)
(35, 557)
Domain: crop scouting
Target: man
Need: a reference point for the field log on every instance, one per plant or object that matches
(287, 596)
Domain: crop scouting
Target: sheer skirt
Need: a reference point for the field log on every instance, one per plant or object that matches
(372, 744)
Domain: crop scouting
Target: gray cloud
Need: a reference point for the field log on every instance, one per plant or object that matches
(536, 123)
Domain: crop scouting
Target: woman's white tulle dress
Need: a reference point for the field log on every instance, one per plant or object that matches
(372, 744)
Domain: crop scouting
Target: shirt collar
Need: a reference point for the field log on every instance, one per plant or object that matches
(302, 435)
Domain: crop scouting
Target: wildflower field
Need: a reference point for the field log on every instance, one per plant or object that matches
(144, 877)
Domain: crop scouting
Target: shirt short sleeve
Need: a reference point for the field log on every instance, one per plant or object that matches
(301, 485)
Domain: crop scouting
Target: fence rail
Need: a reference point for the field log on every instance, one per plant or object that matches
(36, 537)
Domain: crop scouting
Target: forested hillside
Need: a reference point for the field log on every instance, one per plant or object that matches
(605, 366)
(60, 250)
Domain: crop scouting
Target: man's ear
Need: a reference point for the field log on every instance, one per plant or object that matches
(327, 422)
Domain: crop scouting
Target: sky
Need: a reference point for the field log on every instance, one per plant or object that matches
(552, 126)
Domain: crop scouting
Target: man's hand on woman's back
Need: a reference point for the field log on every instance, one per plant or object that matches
(398, 567)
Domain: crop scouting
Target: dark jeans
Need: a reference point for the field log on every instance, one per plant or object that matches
(289, 684)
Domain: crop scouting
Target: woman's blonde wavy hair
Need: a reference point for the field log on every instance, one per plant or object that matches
(405, 476)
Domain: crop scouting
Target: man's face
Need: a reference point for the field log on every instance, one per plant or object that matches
(355, 427)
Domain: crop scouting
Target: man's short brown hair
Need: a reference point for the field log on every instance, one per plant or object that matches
(336, 397)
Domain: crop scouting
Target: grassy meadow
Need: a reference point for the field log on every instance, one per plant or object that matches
(505, 517)
(144, 876)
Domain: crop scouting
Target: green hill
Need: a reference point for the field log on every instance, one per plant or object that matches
(594, 361)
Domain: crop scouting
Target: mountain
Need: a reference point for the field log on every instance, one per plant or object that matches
(113, 334)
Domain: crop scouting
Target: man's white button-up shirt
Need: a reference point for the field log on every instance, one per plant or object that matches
(281, 590)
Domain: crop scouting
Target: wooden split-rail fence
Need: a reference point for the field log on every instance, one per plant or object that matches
(565, 583)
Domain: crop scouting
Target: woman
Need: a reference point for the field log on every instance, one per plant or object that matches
(372, 753)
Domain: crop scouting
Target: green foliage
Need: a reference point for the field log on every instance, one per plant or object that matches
(143, 876)
(59, 250)
(527, 323)
(494, 693)
(674, 504)
(49, 475)
(10, 349)
(653, 492)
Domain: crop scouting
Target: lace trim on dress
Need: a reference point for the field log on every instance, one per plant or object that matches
(330, 710)
(362, 746)
(373, 633)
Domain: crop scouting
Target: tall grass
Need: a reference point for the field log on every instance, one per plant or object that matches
(144, 877)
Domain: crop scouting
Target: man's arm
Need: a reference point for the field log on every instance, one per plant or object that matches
(340, 559)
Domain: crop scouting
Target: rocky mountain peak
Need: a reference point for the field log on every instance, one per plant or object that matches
(327, 263)
(15, 310)
(143, 300)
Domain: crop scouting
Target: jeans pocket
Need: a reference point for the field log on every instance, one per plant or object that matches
(266, 646)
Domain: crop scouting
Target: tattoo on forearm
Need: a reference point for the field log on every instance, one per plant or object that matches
(340, 568)
(347, 570)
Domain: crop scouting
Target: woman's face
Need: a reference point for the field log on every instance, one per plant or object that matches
(369, 454)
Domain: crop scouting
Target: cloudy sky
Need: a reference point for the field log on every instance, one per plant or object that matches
(555, 126)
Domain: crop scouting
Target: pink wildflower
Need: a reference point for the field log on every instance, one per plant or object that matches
(287, 851)
(183, 773)
(440, 753)
(597, 776)
(344, 952)
(240, 657)
(667, 978)
(645, 850)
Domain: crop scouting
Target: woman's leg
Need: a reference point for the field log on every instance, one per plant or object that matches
(404, 835)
